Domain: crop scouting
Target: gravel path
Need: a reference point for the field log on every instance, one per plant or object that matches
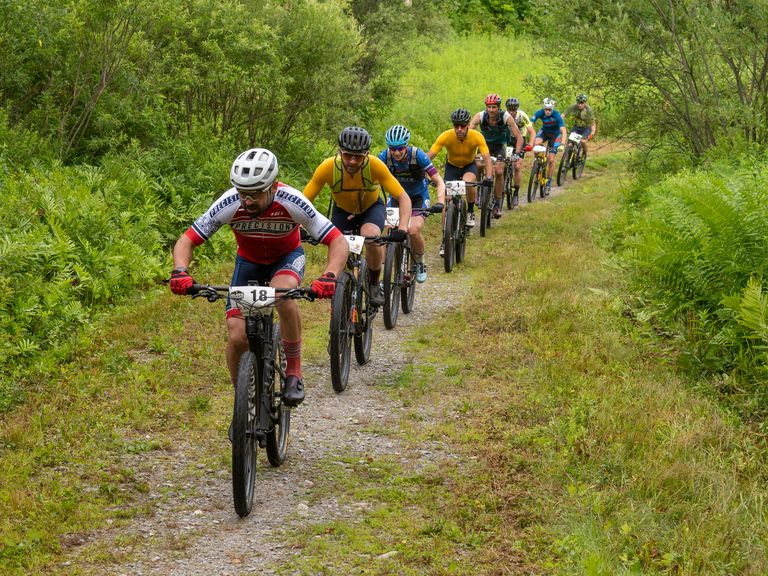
(191, 528)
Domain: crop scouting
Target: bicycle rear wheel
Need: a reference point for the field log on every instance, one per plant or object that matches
(243, 439)
(393, 278)
(364, 334)
(533, 180)
(509, 177)
(408, 274)
(485, 210)
(277, 436)
(449, 237)
(579, 163)
(565, 165)
(462, 231)
(341, 331)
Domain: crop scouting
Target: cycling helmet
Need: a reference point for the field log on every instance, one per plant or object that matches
(512, 103)
(254, 169)
(581, 98)
(355, 140)
(397, 135)
(493, 99)
(549, 104)
(460, 116)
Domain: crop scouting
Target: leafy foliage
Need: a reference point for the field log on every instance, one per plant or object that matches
(698, 253)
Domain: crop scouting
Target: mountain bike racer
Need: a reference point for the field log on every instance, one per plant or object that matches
(356, 178)
(552, 131)
(462, 145)
(583, 119)
(524, 124)
(265, 216)
(411, 167)
(495, 124)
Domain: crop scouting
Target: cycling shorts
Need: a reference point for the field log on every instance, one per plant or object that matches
(585, 131)
(350, 223)
(455, 173)
(291, 264)
(549, 137)
(497, 149)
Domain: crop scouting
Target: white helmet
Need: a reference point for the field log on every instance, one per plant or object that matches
(549, 104)
(254, 169)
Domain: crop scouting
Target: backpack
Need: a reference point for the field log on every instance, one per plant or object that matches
(415, 171)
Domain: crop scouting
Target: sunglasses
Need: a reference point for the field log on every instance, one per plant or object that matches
(253, 195)
(355, 155)
(460, 125)
(397, 148)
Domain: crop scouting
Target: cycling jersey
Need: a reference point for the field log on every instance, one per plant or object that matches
(495, 133)
(581, 118)
(549, 124)
(354, 194)
(266, 238)
(411, 170)
(523, 121)
(460, 152)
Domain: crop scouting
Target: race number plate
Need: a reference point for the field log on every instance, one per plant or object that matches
(355, 243)
(455, 188)
(575, 137)
(539, 149)
(510, 152)
(249, 299)
(393, 217)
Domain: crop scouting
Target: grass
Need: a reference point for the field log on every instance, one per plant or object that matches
(577, 447)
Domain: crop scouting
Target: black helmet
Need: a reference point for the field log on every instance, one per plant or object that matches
(355, 140)
(512, 103)
(460, 116)
(581, 98)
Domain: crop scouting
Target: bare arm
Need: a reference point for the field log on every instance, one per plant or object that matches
(475, 120)
(338, 250)
(440, 184)
(488, 165)
(182, 252)
(515, 133)
(404, 209)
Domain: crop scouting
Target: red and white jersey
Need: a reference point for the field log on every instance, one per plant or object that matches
(275, 232)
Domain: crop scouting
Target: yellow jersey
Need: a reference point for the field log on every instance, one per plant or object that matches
(353, 193)
(460, 152)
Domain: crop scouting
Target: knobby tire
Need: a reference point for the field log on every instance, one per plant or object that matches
(243, 440)
(341, 331)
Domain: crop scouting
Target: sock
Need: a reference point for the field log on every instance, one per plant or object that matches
(549, 181)
(418, 257)
(517, 189)
(292, 357)
(471, 207)
(373, 276)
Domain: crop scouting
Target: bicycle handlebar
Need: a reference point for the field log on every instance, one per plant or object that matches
(213, 293)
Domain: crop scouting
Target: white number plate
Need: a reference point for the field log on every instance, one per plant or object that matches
(539, 149)
(575, 137)
(510, 152)
(248, 299)
(355, 243)
(393, 217)
(455, 188)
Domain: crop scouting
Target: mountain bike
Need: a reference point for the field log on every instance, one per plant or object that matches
(400, 270)
(538, 178)
(258, 416)
(574, 158)
(352, 313)
(455, 230)
(509, 174)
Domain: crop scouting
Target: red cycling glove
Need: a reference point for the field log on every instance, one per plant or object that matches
(181, 281)
(325, 286)
(528, 147)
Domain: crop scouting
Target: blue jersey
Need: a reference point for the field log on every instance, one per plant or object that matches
(411, 171)
(549, 124)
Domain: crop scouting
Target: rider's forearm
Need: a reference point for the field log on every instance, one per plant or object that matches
(488, 166)
(338, 250)
(440, 185)
(182, 252)
(404, 209)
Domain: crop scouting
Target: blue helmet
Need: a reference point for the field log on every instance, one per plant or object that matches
(397, 135)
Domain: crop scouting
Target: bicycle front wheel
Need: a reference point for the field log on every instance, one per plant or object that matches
(277, 435)
(449, 237)
(533, 181)
(393, 278)
(565, 164)
(579, 163)
(509, 183)
(364, 332)
(485, 211)
(341, 331)
(243, 439)
(408, 274)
